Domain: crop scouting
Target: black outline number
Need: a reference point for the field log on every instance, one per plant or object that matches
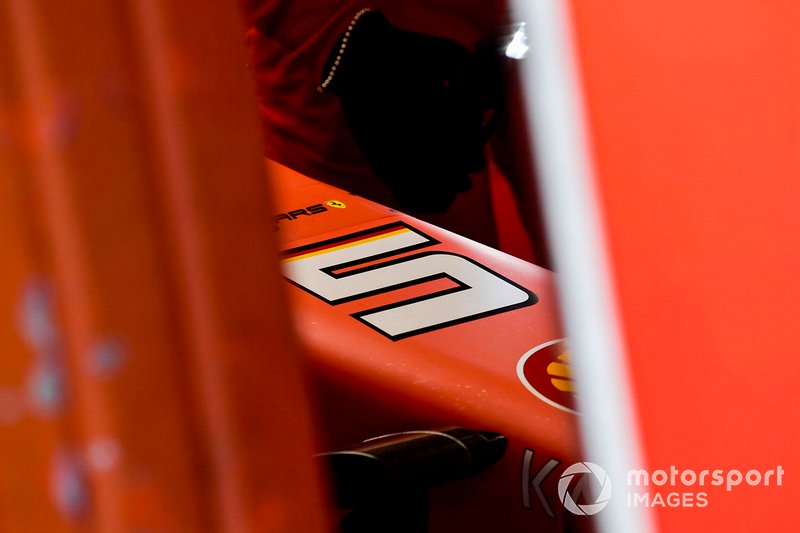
(433, 265)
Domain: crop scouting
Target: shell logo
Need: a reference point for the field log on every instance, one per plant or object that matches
(545, 371)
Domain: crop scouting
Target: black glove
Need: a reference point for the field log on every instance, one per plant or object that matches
(418, 107)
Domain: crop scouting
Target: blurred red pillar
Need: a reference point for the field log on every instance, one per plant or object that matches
(149, 380)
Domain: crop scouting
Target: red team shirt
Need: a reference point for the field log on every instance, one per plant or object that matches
(289, 42)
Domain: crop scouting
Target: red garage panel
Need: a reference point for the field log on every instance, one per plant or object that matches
(694, 120)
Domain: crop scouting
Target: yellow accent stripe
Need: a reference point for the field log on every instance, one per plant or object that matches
(564, 385)
(559, 370)
(348, 245)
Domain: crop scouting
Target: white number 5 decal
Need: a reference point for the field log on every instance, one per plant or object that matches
(359, 265)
